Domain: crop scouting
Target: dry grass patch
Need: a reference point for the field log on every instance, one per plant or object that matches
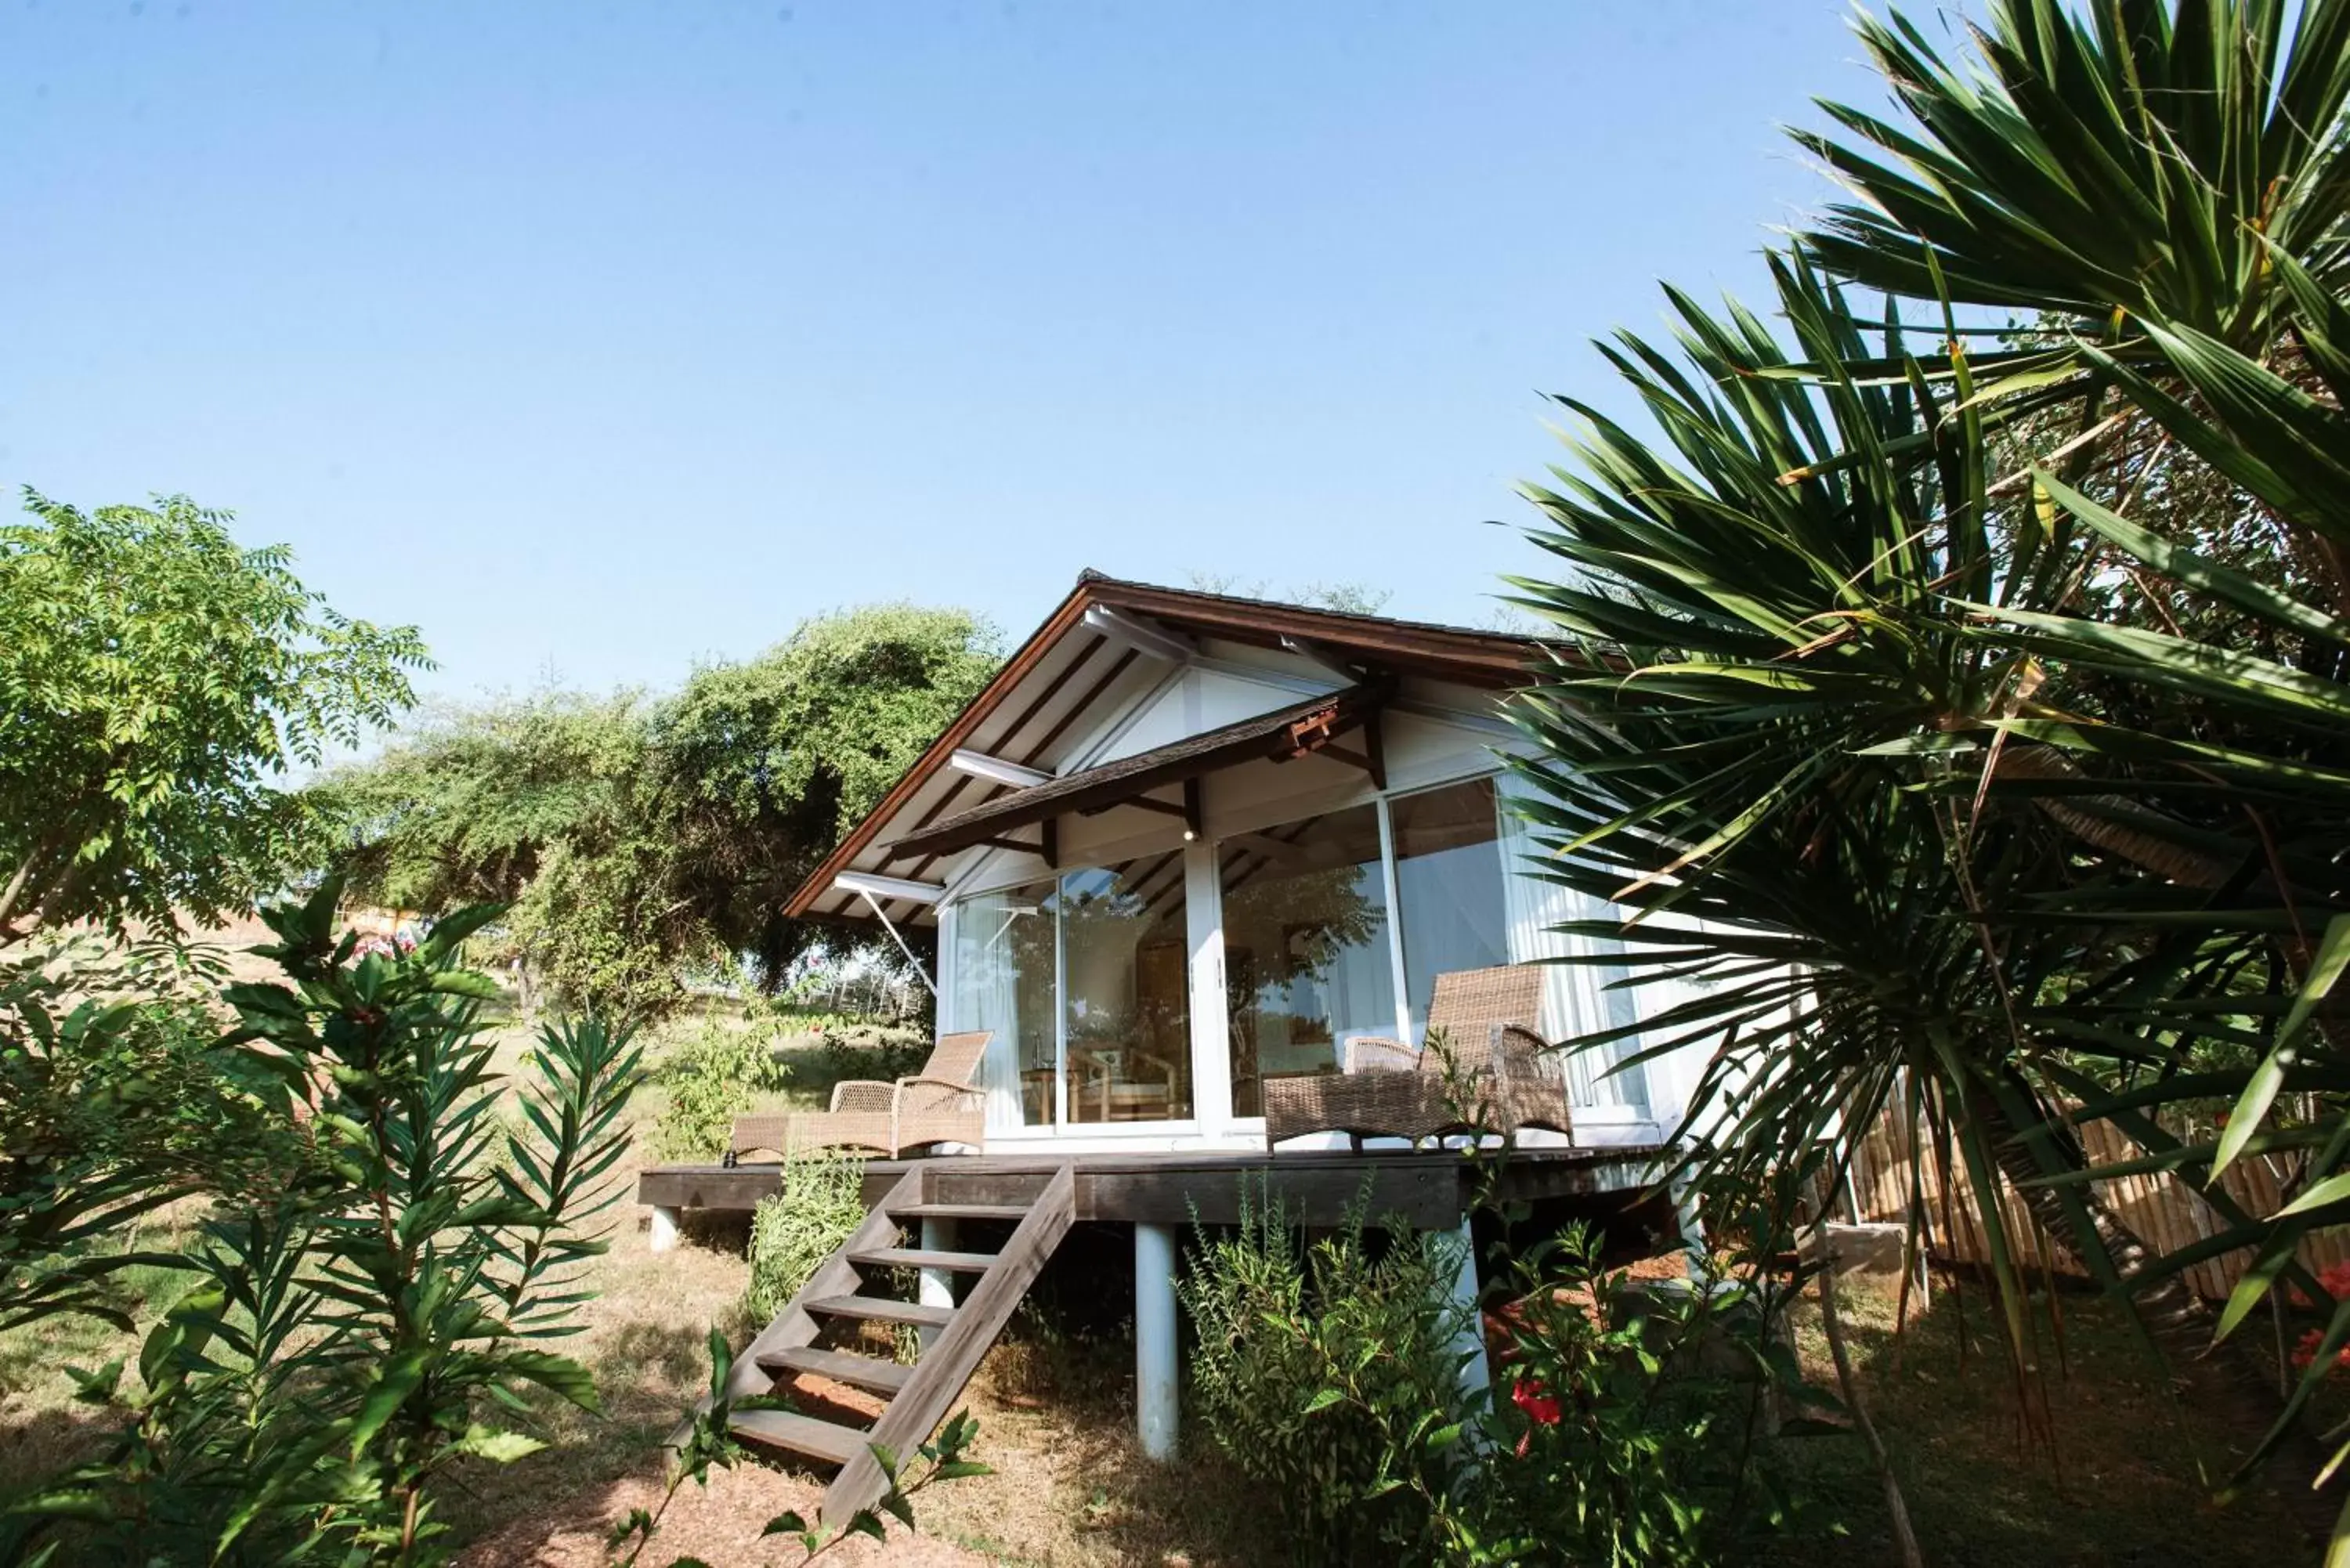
(2120, 1488)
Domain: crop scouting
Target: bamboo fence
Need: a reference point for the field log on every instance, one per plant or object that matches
(2164, 1212)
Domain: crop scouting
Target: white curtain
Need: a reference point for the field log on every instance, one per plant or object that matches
(1575, 996)
(984, 994)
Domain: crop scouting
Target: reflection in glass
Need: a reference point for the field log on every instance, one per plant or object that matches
(1128, 1009)
(1449, 881)
(1003, 962)
(1307, 965)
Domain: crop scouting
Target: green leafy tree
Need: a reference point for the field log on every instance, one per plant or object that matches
(761, 767)
(641, 841)
(468, 803)
(156, 680)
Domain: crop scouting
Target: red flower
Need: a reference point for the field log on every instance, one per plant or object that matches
(1540, 1405)
(2306, 1351)
(2333, 1277)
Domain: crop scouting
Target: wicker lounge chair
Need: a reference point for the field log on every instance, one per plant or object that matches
(941, 1104)
(1486, 1018)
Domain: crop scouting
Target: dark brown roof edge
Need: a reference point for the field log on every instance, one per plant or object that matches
(1025, 658)
(1461, 653)
(1495, 658)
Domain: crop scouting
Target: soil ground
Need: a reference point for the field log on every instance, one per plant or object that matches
(2117, 1485)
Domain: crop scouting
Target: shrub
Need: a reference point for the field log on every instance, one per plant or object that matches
(881, 1055)
(116, 1097)
(1616, 1431)
(1621, 1423)
(374, 1316)
(711, 1078)
(814, 1210)
(1323, 1370)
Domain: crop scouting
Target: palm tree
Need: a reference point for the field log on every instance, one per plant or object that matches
(2042, 796)
(1774, 770)
(2167, 187)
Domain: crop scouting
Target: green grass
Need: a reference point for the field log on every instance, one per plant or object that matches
(43, 1429)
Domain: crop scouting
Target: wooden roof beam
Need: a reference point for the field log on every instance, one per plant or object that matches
(1144, 636)
(979, 765)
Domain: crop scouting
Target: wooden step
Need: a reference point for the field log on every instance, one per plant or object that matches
(1012, 1212)
(881, 1311)
(801, 1434)
(948, 1360)
(869, 1372)
(916, 1258)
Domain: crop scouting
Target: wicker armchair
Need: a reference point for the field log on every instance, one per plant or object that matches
(1485, 1019)
(941, 1104)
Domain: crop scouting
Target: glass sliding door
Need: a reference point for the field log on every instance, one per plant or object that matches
(1005, 956)
(1470, 900)
(1307, 965)
(1126, 994)
(1449, 881)
(1085, 983)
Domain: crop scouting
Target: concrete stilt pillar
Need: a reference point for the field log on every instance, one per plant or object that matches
(936, 1287)
(1155, 1371)
(1476, 1373)
(663, 1233)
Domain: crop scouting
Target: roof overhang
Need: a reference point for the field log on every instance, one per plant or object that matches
(1108, 641)
(1313, 726)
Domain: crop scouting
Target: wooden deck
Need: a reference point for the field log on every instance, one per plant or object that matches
(1426, 1188)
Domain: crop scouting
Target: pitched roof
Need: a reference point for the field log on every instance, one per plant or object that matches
(1035, 706)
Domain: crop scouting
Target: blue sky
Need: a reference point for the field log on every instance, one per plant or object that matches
(601, 339)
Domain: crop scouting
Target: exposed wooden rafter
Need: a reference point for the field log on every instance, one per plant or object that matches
(979, 765)
(1135, 632)
(1322, 657)
(1292, 732)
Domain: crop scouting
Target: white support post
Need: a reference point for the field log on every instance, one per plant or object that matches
(663, 1233)
(936, 1286)
(1692, 1228)
(1476, 1373)
(1154, 1370)
(1211, 1042)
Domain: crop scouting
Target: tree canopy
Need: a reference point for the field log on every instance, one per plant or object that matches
(636, 837)
(156, 681)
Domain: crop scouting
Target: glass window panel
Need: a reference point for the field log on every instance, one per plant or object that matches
(1449, 881)
(1306, 962)
(1128, 1007)
(1004, 983)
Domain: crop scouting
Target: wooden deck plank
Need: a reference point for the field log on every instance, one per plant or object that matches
(1426, 1188)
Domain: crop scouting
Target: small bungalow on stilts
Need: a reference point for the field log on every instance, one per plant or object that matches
(1193, 868)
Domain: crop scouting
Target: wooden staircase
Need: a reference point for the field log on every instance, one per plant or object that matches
(919, 1397)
